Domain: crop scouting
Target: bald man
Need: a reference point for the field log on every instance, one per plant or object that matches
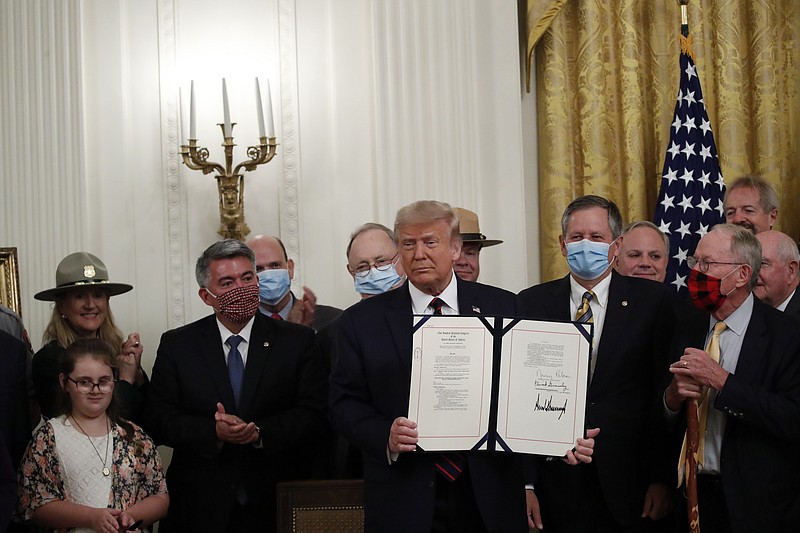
(275, 274)
(643, 252)
(777, 280)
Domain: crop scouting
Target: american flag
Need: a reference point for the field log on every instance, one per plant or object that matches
(692, 189)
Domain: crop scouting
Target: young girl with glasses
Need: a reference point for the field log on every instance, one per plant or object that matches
(88, 469)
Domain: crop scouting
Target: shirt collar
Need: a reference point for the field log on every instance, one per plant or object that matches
(738, 320)
(421, 300)
(785, 303)
(224, 332)
(600, 291)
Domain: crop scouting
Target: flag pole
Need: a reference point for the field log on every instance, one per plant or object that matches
(692, 421)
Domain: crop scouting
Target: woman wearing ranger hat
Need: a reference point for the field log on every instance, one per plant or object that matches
(82, 310)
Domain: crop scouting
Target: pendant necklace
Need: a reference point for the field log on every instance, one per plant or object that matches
(103, 459)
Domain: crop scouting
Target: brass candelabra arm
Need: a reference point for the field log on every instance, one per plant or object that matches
(197, 158)
(263, 153)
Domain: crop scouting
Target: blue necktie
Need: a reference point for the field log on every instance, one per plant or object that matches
(235, 366)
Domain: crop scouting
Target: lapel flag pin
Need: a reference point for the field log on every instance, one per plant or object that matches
(476, 309)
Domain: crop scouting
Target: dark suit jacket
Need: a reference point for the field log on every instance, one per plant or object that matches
(369, 390)
(284, 393)
(14, 420)
(762, 402)
(793, 307)
(624, 400)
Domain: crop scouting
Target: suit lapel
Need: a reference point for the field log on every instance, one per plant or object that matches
(753, 345)
(214, 357)
(559, 303)
(399, 319)
(259, 356)
(468, 301)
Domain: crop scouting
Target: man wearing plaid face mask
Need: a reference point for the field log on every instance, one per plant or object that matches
(741, 361)
(238, 396)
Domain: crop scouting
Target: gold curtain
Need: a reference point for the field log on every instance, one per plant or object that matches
(607, 78)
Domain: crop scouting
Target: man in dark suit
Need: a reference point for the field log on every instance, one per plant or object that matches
(747, 478)
(404, 491)
(238, 396)
(275, 273)
(778, 278)
(627, 483)
(14, 421)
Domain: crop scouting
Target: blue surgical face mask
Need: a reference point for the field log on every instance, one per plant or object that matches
(273, 284)
(587, 259)
(378, 281)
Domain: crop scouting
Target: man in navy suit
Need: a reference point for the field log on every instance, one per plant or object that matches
(239, 397)
(747, 471)
(404, 489)
(628, 483)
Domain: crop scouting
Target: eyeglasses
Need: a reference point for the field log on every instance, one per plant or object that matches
(381, 265)
(86, 386)
(704, 263)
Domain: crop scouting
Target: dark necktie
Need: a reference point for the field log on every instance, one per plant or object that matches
(448, 464)
(235, 366)
(584, 313)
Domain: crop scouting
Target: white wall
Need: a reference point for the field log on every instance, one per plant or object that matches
(377, 104)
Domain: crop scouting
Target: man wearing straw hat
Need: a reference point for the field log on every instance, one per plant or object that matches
(467, 266)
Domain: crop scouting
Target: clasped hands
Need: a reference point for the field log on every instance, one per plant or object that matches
(231, 428)
(113, 520)
(693, 371)
(130, 360)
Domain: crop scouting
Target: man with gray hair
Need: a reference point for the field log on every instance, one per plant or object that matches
(239, 397)
(643, 252)
(740, 360)
(778, 278)
(406, 489)
(751, 202)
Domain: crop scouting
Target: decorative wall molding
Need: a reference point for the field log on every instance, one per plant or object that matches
(289, 136)
(175, 197)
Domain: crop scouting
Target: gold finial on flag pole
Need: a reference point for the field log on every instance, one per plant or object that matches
(685, 39)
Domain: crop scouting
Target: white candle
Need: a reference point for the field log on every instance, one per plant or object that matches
(270, 121)
(192, 116)
(225, 111)
(181, 118)
(260, 111)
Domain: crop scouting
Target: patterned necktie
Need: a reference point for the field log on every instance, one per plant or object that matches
(584, 316)
(449, 465)
(235, 366)
(702, 409)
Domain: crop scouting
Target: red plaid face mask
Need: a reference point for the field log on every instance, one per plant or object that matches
(705, 291)
(238, 305)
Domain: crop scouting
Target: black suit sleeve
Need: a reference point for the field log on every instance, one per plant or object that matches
(167, 419)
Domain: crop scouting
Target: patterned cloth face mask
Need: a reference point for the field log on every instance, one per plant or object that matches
(238, 305)
(705, 291)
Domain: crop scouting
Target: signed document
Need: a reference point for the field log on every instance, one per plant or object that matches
(499, 384)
